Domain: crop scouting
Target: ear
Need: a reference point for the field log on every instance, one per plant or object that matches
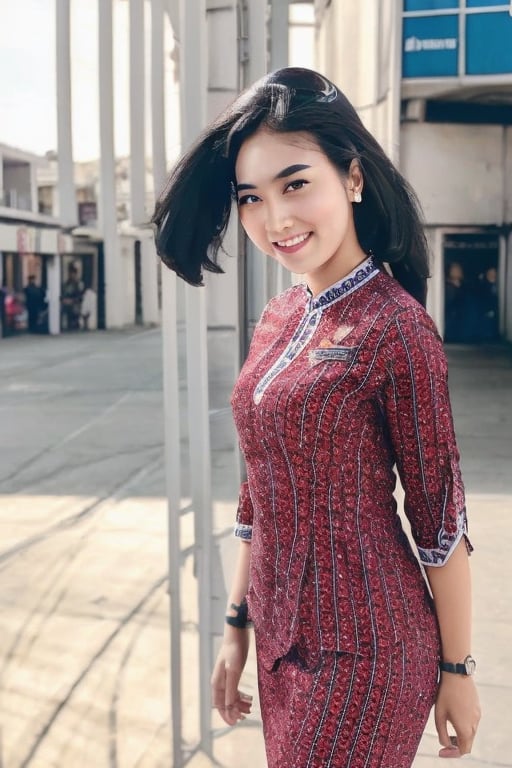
(355, 181)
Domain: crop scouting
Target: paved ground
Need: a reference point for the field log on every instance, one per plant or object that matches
(83, 554)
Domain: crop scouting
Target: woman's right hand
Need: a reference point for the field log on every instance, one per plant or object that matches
(233, 704)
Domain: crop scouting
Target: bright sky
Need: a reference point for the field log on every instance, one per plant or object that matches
(27, 75)
(27, 81)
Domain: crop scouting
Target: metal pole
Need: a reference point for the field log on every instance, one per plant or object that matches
(395, 84)
(279, 58)
(66, 184)
(279, 26)
(158, 96)
(193, 110)
(137, 115)
(172, 473)
(107, 201)
(257, 66)
(171, 387)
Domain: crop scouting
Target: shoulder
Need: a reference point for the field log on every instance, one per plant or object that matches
(411, 339)
(285, 303)
(399, 306)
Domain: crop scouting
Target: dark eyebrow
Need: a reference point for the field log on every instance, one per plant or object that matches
(289, 171)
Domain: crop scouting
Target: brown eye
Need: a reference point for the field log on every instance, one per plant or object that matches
(295, 185)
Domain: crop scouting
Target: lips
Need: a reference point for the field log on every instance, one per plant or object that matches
(292, 244)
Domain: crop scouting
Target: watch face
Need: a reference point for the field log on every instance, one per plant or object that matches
(470, 665)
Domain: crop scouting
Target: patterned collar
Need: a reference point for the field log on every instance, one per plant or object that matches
(359, 276)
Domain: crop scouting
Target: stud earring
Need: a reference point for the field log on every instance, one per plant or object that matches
(357, 197)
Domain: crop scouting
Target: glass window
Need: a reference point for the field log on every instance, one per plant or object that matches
(430, 46)
(429, 5)
(488, 43)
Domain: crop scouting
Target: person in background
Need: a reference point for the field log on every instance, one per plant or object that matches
(35, 303)
(71, 299)
(346, 379)
(488, 305)
(456, 304)
(88, 309)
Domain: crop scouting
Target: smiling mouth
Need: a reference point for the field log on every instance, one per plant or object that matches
(293, 243)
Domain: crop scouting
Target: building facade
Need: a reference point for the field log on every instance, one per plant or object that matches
(31, 244)
(432, 79)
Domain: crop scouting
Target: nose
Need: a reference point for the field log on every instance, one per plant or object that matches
(278, 219)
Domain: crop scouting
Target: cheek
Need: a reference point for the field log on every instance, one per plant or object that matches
(254, 228)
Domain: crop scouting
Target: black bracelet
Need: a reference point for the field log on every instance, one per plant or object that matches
(240, 620)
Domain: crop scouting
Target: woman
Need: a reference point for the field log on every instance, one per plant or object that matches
(345, 378)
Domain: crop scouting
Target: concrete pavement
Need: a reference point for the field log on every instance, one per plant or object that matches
(84, 641)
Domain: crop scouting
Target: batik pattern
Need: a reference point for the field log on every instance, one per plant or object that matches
(365, 392)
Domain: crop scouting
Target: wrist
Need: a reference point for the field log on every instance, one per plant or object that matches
(238, 615)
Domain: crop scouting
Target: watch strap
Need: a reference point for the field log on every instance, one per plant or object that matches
(458, 669)
(467, 667)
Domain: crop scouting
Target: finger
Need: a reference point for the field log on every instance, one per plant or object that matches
(231, 692)
(465, 742)
(442, 731)
(452, 750)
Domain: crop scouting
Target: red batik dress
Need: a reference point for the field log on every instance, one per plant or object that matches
(337, 389)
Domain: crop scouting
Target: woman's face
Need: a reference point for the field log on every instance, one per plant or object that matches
(296, 207)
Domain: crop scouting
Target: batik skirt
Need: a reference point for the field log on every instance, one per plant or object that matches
(347, 710)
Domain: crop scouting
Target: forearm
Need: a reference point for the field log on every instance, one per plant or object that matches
(451, 589)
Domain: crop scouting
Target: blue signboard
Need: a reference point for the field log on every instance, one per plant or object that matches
(431, 46)
(488, 44)
(429, 5)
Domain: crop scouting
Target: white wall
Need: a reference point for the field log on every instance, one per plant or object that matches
(456, 170)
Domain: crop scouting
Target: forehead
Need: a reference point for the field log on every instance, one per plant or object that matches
(265, 153)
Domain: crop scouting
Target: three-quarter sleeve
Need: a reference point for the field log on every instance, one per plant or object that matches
(419, 421)
(243, 525)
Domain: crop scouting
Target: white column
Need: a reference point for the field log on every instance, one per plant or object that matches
(193, 64)
(53, 292)
(149, 278)
(137, 114)
(66, 185)
(114, 286)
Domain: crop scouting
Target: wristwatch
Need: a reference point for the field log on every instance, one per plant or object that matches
(467, 667)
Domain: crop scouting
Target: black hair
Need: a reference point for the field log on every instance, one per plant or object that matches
(192, 214)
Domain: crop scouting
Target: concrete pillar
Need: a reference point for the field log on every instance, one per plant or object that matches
(107, 213)
(68, 214)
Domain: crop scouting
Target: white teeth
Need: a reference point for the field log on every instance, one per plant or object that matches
(293, 241)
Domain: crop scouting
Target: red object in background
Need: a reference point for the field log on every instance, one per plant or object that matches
(15, 313)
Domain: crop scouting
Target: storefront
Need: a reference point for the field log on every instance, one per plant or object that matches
(30, 278)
